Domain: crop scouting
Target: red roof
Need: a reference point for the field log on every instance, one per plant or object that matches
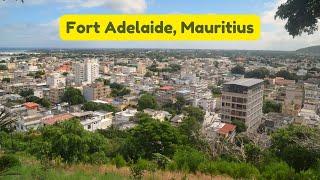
(167, 88)
(227, 128)
(31, 105)
(57, 118)
(64, 68)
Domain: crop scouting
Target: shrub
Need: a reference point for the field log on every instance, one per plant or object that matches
(8, 161)
(188, 159)
(278, 170)
(142, 165)
(71, 142)
(161, 160)
(235, 170)
(98, 158)
(119, 161)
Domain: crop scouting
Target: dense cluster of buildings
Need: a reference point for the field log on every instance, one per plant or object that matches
(241, 99)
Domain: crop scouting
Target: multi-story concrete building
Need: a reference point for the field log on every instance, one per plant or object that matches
(56, 80)
(242, 100)
(53, 94)
(86, 72)
(294, 99)
(312, 96)
(141, 69)
(91, 72)
(78, 71)
(96, 91)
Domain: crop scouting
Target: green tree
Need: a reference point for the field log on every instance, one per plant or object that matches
(286, 75)
(174, 67)
(71, 142)
(26, 92)
(194, 112)
(180, 103)
(240, 126)
(72, 96)
(147, 101)
(271, 106)
(190, 130)
(188, 159)
(297, 145)
(216, 91)
(151, 136)
(3, 67)
(148, 74)
(302, 16)
(42, 101)
(7, 80)
(119, 90)
(253, 153)
(259, 73)
(45, 103)
(238, 70)
(93, 106)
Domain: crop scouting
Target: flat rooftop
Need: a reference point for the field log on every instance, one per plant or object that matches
(247, 82)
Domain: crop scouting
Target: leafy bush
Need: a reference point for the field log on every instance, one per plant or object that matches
(7, 162)
(279, 170)
(147, 101)
(119, 161)
(188, 159)
(71, 142)
(233, 169)
(149, 137)
(297, 146)
(142, 165)
(161, 160)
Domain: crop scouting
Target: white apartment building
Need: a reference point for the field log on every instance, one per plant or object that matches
(86, 72)
(78, 71)
(91, 72)
(242, 100)
(56, 80)
(208, 104)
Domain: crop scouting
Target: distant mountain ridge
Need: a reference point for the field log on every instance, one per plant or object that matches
(312, 50)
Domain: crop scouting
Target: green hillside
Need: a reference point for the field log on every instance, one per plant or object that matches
(313, 50)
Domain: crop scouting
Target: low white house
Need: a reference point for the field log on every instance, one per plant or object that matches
(93, 120)
(123, 117)
(160, 115)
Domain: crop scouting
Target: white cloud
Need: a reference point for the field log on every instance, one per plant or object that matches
(274, 35)
(126, 6)
(123, 6)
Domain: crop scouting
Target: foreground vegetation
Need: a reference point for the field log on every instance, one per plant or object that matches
(155, 150)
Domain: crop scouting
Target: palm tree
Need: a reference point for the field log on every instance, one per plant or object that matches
(6, 119)
(6, 122)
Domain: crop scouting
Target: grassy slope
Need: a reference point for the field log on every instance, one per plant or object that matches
(31, 169)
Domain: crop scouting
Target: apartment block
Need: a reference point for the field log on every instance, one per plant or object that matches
(242, 100)
(96, 91)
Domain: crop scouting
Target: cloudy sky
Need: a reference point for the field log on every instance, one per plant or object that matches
(34, 24)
